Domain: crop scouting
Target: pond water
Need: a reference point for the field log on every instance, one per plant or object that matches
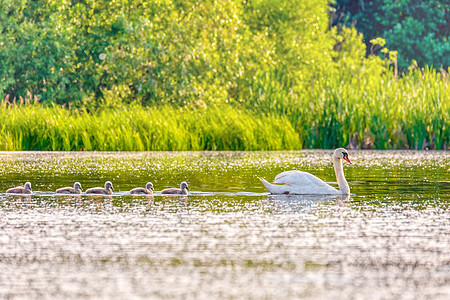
(228, 238)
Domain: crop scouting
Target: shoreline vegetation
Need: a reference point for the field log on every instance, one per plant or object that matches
(411, 112)
(137, 128)
(209, 75)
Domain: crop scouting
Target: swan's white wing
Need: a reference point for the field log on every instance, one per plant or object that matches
(293, 177)
(305, 183)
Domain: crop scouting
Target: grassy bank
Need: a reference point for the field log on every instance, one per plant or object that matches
(135, 128)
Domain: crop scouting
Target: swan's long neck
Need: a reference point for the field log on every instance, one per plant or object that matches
(342, 182)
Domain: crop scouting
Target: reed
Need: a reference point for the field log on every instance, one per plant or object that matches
(410, 112)
(136, 128)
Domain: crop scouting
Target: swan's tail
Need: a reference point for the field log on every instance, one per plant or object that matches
(270, 187)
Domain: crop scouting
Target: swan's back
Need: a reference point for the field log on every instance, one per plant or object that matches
(305, 183)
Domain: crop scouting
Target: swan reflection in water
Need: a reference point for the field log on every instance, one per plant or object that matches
(18, 198)
(297, 203)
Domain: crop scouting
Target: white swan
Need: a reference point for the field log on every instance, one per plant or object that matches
(303, 183)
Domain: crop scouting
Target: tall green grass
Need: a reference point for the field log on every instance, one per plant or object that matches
(409, 112)
(135, 128)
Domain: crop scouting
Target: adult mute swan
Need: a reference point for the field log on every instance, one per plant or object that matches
(303, 183)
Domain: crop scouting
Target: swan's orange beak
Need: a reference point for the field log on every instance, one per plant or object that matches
(347, 159)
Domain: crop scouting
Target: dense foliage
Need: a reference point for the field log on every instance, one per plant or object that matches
(177, 52)
(260, 59)
(418, 30)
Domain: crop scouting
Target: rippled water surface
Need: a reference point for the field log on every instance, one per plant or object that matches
(228, 238)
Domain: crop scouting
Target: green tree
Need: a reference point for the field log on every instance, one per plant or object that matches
(260, 52)
(33, 54)
(418, 30)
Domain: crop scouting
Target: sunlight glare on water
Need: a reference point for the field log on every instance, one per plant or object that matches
(228, 238)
